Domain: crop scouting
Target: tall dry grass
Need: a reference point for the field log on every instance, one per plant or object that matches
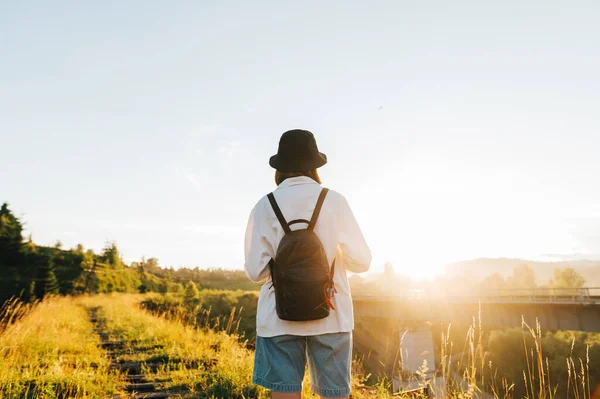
(12, 310)
(51, 352)
(198, 361)
(472, 374)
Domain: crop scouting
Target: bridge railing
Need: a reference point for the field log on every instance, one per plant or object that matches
(543, 295)
(584, 295)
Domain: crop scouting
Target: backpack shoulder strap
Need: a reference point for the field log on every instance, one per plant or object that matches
(278, 213)
(315, 216)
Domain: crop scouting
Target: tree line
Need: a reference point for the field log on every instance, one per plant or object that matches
(31, 271)
(565, 281)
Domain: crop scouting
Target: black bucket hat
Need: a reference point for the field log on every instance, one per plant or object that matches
(297, 152)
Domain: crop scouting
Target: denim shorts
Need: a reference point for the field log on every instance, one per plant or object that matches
(280, 361)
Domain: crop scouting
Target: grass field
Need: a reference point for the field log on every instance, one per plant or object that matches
(56, 351)
(232, 285)
(52, 352)
(88, 347)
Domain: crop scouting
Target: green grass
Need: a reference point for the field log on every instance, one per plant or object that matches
(211, 308)
(485, 361)
(52, 351)
(203, 362)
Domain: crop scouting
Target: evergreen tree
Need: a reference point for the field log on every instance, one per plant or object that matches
(191, 292)
(13, 278)
(50, 281)
(30, 294)
(111, 256)
(46, 281)
(11, 237)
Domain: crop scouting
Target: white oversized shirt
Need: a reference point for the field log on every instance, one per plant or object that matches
(341, 238)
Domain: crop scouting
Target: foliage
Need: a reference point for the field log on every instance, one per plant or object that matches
(110, 255)
(11, 237)
(567, 278)
(523, 277)
(210, 308)
(11, 254)
(47, 281)
(559, 349)
(32, 271)
(191, 292)
(495, 282)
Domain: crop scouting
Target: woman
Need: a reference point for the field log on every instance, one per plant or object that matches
(282, 347)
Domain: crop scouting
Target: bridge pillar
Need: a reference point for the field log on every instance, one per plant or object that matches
(416, 357)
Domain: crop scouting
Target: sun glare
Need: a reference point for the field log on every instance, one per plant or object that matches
(419, 269)
(430, 213)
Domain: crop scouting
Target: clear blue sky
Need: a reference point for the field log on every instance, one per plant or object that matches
(455, 129)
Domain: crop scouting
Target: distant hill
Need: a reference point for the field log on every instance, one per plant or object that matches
(480, 268)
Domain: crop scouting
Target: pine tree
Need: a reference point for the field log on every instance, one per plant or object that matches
(11, 237)
(47, 282)
(13, 278)
(191, 292)
(111, 256)
(50, 282)
(30, 293)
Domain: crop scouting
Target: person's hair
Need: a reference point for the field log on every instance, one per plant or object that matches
(281, 176)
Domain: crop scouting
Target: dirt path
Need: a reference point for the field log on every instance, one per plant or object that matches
(141, 384)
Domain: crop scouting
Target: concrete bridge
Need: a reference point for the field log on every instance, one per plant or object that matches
(556, 309)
